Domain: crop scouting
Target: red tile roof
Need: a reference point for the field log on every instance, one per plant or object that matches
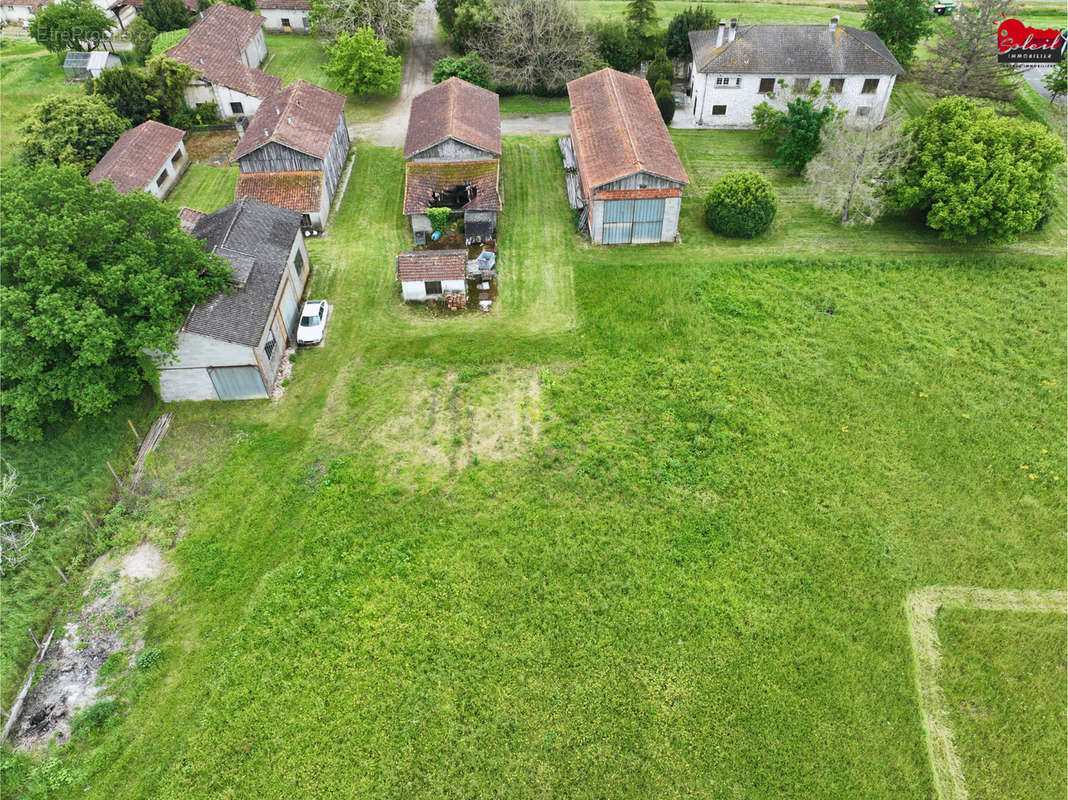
(297, 191)
(422, 179)
(617, 130)
(135, 160)
(432, 265)
(302, 116)
(188, 218)
(214, 45)
(454, 109)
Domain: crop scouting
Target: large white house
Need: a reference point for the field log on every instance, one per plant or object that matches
(735, 67)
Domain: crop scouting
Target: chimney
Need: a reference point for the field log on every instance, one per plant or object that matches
(719, 34)
(834, 24)
(733, 31)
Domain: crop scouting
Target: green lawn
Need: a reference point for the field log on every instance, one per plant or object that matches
(28, 74)
(295, 56)
(1004, 681)
(205, 188)
(531, 104)
(746, 13)
(645, 530)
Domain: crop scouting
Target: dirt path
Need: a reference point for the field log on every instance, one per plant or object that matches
(422, 54)
(921, 608)
(534, 124)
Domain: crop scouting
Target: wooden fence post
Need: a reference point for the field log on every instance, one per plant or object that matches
(135, 433)
(87, 519)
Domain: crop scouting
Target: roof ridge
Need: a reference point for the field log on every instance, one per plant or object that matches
(623, 121)
(233, 220)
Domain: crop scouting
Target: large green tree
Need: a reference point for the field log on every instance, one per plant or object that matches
(900, 24)
(965, 57)
(361, 64)
(617, 47)
(155, 92)
(977, 175)
(470, 68)
(166, 15)
(70, 129)
(692, 18)
(70, 25)
(92, 280)
(391, 20)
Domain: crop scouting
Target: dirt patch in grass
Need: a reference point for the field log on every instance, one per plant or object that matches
(109, 621)
(451, 419)
(211, 147)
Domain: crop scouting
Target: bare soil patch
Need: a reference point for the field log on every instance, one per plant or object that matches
(117, 593)
(211, 147)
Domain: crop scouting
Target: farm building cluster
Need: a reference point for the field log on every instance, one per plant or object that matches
(623, 175)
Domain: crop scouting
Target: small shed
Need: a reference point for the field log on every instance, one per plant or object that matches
(432, 274)
(81, 66)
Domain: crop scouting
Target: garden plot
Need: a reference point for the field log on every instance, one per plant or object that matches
(450, 419)
(68, 681)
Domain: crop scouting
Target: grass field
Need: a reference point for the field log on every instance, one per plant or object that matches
(294, 56)
(1004, 679)
(531, 104)
(204, 188)
(28, 74)
(643, 531)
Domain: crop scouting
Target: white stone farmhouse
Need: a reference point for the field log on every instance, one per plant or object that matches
(735, 67)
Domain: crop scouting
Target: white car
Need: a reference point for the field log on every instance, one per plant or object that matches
(312, 322)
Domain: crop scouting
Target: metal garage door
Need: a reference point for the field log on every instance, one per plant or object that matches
(632, 221)
(289, 311)
(237, 383)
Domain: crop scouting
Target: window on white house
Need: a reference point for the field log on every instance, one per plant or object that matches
(871, 86)
(298, 261)
(176, 157)
(268, 347)
(723, 80)
(432, 287)
(285, 22)
(837, 85)
(801, 85)
(305, 22)
(719, 111)
(162, 178)
(863, 111)
(766, 85)
(237, 108)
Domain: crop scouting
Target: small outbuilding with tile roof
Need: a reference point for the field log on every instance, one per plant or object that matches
(297, 132)
(629, 172)
(735, 67)
(224, 46)
(151, 156)
(431, 274)
(285, 16)
(453, 148)
(231, 347)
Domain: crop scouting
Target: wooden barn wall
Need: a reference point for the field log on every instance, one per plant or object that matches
(335, 157)
(636, 180)
(452, 150)
(274, 157)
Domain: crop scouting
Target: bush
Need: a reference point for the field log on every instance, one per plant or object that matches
(471, 68)
(665, 101)
(205, 114)
(661, 69)
(439, 218)
(741, 204)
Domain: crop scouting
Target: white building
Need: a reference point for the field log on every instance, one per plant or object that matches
(431, 274)
(231, 347)
(151, 156)
(735, 67)
(20, 13)
(224, 46)
(285, 16)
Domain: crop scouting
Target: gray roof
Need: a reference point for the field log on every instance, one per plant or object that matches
(794, 50)
(255, 238)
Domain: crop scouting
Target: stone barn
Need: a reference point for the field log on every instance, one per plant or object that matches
(151, 156)
(453, 149)
(629, 172)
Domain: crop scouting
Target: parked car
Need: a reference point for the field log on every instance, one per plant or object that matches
(312, 322)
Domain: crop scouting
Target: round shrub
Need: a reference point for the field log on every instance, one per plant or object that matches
(741, 204)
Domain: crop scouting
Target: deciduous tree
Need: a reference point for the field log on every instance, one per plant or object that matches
(965, 58)
(70, 25)
(536, 45)
(166, 15)
(900, 24)
(70, 129)
(141, 36)
(1056, 82)
(391, 20)
(361, 63)
(617, 47)
(693, 18)
(977, 175)
(801, 133)
(155, 92)
(855, 166)
(93, 279)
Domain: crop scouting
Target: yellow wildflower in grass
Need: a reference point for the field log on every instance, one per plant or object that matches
(923, 394)
(1024, 466)
(1044, 451)
(1032, 476)
(966, 416)
(845, 428)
